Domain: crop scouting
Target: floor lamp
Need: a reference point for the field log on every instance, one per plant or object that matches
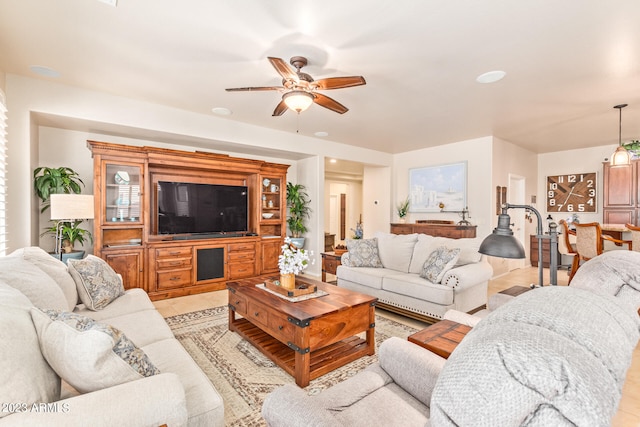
(69, 208)
(501, 243)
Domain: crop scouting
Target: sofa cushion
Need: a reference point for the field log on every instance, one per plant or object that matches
(25, 377)
(468, 249)
(98, 284)
(366, 276)
(363, 253)
(89, 355)
(35, 284)
(204, 403)
(421, 251)
(419, 288)
(132, 301)
(54, 268)
(395, 250)
(439, 262)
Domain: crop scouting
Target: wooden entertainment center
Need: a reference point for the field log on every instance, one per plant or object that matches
(169, 265)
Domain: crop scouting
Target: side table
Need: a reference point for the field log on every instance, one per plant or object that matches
(330, 263)
(441, 338)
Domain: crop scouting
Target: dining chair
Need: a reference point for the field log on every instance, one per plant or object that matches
(565, 244)
(635, 237)
(590, 244)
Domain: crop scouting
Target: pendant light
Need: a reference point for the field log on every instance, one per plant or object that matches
(621, 156)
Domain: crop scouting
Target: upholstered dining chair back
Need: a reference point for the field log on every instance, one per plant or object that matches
(566, 247)
(588, 240)
(635, 237)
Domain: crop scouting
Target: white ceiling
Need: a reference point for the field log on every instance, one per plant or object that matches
(568, 63)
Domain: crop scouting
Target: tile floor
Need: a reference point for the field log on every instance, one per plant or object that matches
(628, 411)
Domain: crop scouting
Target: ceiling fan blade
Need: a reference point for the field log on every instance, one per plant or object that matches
(240, 89)
(283, 69)
(280, 109)
(331, 104)
(339, 82)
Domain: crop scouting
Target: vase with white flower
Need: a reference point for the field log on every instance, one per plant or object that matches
(291, 261)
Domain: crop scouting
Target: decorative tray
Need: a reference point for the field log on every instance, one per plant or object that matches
(301, 288)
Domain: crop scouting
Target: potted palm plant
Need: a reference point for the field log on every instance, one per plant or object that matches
(61, 180)
(299, 211)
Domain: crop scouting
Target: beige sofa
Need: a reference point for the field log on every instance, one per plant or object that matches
(32, 392)
(397, 283)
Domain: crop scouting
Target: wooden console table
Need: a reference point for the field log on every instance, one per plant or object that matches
(453, 231)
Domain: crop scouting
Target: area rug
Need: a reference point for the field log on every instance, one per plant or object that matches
(243, 375)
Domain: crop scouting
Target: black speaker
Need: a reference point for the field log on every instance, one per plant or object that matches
(209, 263)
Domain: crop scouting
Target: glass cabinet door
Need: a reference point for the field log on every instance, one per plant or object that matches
(123, 193)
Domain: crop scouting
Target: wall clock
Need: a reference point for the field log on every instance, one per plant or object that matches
(572, 192)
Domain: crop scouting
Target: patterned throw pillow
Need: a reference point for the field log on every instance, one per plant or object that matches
(363, 253)
(439, 262)
(98, 284)
(86, 354)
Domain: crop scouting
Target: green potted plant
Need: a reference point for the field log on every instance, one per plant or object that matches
(61, 180)
(299, 211)
(403, 209)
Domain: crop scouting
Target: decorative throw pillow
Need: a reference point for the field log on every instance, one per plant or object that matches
(363, 253)
(439, 262)
(86, 354)
(98, 284)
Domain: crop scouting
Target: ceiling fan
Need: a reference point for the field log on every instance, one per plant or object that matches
(300, 89)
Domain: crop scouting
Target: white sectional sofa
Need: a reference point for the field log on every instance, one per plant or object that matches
(396, 281)
(37, 350)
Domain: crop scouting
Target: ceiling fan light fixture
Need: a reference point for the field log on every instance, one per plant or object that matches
(297, 100)
(621, 156)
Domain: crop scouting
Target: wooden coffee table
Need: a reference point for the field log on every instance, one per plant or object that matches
(441, 338)
(307, 338)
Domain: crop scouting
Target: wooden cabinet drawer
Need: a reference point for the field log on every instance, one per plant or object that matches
(239, 303)
(280, 328)
(173, 252)
(241, 270)
(331, 265)
(241, 256)
(242, 247)
(173, 263)
(173, 279)
(258, 315)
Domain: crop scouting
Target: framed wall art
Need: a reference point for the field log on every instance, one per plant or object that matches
(438, 188)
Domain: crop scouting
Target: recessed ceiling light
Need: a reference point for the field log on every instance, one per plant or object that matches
(113, 3)
(44, 71)
(333, 161)
(321, 134)
(221, 111)
(491, 76)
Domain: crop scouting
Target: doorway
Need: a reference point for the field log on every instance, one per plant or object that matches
(516, 196)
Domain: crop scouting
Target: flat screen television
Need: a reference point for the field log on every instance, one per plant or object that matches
(184, 207)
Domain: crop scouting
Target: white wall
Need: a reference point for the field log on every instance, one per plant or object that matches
(376, 196)
(509, 159)
(26, 97)
(573, 161)
(477, 154)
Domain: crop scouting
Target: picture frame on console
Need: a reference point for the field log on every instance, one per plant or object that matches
(441, 188)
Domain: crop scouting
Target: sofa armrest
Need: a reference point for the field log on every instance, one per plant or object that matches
(150, 401)
(462, 317)
(290, 406)
(412, 367)
(468, 275)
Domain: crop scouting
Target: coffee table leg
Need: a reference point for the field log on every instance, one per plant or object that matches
(302, 357)
(371, 332)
